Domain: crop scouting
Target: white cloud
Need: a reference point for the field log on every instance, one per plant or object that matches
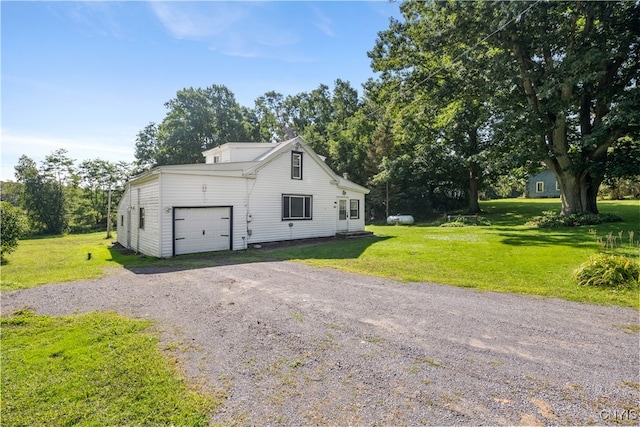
(323, 22)
(97, 17)
(240, 29)
(198, 21)
(37, 147)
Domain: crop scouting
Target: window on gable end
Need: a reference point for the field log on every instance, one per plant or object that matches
(296, 165)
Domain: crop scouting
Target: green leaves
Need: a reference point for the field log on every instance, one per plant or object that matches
(12, 226)
(608, 271)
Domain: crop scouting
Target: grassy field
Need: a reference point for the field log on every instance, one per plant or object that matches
(102, 369)
(506, 256)
(65, 258)
(90, 370)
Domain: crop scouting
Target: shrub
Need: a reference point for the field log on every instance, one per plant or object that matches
(608, 271)
(551, 219)
(462, 221)
(12, 226)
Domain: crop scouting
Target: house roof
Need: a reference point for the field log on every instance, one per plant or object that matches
(239, 145)
(251, 169)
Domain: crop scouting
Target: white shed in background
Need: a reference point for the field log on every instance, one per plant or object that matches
(245, 193)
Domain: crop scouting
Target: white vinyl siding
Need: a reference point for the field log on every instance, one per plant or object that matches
(253, 194)
(135, 200)
(265, 203)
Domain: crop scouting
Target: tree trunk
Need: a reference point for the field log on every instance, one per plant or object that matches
(578, 192)
(474, 173)
(474, 184)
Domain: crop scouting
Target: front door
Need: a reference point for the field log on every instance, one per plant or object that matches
(343, 216)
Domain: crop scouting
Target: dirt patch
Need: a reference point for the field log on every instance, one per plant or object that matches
(294, 345)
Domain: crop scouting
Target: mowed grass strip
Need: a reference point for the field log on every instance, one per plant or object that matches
(95, 369)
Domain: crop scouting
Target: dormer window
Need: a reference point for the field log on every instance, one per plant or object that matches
(296, 165)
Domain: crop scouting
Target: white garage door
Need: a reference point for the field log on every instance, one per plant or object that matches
(201, 230)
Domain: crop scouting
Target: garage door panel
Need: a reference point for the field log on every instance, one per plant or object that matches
(202, 230)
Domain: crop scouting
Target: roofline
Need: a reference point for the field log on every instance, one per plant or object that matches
(250, 169)
(239, 145)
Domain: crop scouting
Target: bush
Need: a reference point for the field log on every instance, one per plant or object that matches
(463, 221)
(551, 219)
(12, 226)
(608, 271)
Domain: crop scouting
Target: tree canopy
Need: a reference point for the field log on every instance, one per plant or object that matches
(552, 82)
(469, 97)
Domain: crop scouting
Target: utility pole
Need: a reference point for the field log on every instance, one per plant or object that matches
(109, 214)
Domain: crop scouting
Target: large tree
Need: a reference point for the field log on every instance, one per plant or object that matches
(561, 79)
(440, 85)
(578, 67)
(197, 120)
(101, 181)
(44, 195)
(271, 116)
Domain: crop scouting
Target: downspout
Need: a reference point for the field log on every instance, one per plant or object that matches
(128, 237)
(160, 210)
(138, 232)
(248, 218)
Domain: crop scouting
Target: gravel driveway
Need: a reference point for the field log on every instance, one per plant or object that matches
(295, 345)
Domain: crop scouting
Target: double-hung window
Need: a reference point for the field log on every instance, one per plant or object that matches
(295, 206)
(540, 187)
(354, 208)
(296, 165)
(141, 224)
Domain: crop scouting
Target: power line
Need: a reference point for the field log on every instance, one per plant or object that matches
(430, 76)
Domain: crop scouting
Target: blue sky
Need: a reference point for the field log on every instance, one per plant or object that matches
(87, 76)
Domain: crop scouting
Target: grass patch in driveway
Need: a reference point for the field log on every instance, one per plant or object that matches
(95, 369)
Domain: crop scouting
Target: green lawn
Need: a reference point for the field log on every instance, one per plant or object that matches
(102, 369)
(91, 370)
(65, 258)
(506, 256)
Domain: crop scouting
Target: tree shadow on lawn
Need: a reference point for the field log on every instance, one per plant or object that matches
(542, 237)
(319, 248)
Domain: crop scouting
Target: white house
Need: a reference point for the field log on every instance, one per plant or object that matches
(244, 193)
